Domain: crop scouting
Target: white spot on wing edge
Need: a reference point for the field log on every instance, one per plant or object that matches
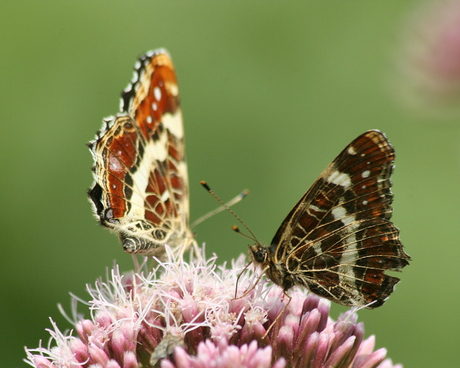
(173, 89)
(339, 178)
(351, 150)
(366, 174)
(173, 122)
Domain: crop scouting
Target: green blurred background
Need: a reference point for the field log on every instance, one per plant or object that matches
(271, 93)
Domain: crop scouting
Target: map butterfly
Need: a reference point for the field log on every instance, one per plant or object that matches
(338, 240)
(140, 188)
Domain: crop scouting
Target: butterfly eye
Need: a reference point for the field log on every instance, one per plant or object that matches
(259, 254)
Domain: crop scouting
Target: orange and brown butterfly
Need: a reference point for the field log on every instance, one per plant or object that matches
(140, 188)
(338, 240)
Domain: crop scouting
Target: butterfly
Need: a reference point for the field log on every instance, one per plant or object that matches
(140, 188)
(338, 240)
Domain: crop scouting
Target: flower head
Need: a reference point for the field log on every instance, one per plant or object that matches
(185, 315)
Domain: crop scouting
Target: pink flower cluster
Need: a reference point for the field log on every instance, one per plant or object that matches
(429, 59)
(185, 315)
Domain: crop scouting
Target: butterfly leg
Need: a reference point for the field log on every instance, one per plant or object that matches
(278, 316)
(253, 285)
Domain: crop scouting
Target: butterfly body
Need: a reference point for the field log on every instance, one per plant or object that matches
(338, 240)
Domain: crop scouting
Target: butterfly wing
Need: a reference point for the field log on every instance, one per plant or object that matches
(140, 173)
(338, 240)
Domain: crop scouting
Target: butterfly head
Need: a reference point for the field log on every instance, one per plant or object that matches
(275, 271)
(258, 254)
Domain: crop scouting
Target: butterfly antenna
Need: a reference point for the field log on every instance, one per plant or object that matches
(225, 206)
(236, 229)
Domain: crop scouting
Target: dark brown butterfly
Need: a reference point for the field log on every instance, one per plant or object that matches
(338, 240)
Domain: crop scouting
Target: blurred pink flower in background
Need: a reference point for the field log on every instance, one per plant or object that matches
(184, 315)
(429, 60)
